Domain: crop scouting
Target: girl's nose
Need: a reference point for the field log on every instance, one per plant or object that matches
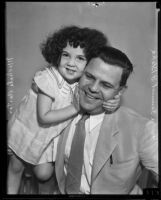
(71, 62)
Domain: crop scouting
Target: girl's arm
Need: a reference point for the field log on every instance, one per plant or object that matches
(48, 116)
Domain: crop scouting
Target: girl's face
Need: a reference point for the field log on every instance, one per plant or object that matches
(72, 63)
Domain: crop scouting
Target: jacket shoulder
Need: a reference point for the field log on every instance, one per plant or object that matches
(131, 115)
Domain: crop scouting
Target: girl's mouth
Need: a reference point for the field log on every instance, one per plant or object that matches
(70, 71)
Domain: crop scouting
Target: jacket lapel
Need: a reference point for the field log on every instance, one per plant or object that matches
(106, 143)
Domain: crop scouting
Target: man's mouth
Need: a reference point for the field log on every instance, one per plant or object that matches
(91, 97)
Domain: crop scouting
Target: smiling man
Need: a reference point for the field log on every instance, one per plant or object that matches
(108, 160)
(98, 85)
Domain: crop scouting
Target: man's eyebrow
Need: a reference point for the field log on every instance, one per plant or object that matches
(104, 82)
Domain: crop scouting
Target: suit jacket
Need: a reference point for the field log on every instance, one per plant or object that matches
(129, 138)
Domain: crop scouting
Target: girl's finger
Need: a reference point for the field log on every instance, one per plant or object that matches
(109, 107)
(110, 104)
(112, 101)
(117, 96)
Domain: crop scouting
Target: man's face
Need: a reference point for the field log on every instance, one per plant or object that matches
(99, 82)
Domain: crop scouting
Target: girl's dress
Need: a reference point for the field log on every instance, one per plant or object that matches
(29, 140)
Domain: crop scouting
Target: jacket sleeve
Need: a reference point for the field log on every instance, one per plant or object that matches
(148, 147)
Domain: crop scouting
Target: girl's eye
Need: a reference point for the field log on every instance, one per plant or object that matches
(81, 58)
(65, 55)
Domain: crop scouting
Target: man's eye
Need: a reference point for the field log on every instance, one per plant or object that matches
(89, 76)
(106, 86)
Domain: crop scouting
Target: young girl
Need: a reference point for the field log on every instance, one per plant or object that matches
(46, 109)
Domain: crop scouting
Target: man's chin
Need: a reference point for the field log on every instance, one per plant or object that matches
(91, 110)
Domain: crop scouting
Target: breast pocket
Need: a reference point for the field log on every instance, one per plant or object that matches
(123, 163)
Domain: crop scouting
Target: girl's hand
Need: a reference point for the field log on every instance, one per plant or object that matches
(76, 99)
(34, 87)
(112, 105)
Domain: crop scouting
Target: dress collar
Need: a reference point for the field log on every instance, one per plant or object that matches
(58, 77)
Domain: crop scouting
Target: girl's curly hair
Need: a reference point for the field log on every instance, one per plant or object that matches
(87, 38)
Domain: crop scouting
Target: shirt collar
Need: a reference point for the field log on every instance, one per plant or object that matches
(93, 120)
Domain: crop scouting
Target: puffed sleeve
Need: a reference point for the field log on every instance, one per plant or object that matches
(148, 146)
(45, 83)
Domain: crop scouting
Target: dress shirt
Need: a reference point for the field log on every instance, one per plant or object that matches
(89, 148)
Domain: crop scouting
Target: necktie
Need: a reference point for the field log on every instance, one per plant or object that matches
(75, 162)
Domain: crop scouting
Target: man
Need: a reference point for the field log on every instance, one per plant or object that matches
(115, 144)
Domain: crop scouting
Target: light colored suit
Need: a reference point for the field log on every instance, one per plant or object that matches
(129, 138)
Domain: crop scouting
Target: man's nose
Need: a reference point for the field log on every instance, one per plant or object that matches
(94, 87)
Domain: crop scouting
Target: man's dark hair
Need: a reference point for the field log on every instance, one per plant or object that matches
(116, 57)
(87, 38)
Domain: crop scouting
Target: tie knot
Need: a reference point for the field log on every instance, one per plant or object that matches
(84, 117)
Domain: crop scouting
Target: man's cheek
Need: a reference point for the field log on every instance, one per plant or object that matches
(108, 96)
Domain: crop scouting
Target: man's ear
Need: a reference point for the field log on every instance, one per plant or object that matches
(122, 90)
